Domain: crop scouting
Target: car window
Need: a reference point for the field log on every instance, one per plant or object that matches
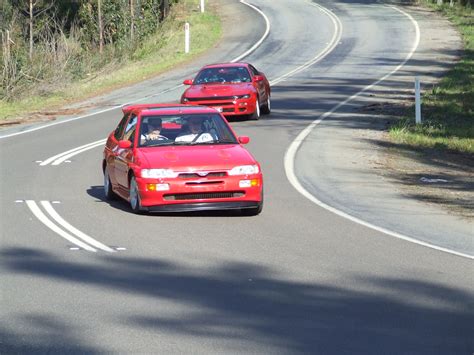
(129, 132)
(119, 130)
(254, 70)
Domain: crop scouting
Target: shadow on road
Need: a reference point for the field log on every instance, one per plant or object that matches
(253, 305)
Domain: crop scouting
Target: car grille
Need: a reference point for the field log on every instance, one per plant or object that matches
(204, 195)
(212, 98)
(197, 176)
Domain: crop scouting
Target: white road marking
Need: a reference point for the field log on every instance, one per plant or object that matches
(71, 152)
(52, 212)
(329, 48)
(290, 155)
(77, 151)
(47, 222)
(260, 41)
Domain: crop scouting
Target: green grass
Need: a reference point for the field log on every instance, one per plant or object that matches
(156, 55)
(448, 109)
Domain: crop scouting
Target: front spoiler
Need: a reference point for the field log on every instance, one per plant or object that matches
(202, 206)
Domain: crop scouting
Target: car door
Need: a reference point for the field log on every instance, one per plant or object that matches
(124, 156)
(260, 85)
(111, 147)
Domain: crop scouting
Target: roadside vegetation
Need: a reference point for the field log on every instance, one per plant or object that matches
(54, 53)
(447, 109)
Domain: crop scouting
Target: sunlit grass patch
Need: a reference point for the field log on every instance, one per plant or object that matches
(448, 109)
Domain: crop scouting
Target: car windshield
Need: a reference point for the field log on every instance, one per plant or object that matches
(223, 75)
(185, 129)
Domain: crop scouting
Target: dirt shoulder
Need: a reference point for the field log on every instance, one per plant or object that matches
(432, 176)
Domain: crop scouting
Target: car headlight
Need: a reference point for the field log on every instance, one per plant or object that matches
(246, 96)
(244, 170)
(158, 173)
(184, 99)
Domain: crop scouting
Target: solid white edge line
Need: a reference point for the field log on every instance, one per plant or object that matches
(329, 48)
(289, 159)
(260, 41)
(49, 160)
(47, 222)
(52, 212)
(78, 151)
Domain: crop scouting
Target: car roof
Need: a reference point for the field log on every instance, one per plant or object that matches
(153, 109)
(227, 65)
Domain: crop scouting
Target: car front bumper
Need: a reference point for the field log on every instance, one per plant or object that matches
(228, 107)
(200, 194)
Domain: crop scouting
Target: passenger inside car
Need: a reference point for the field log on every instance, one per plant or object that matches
(197, 132)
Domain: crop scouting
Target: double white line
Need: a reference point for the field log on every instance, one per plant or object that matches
(79, 238)
(61, 157)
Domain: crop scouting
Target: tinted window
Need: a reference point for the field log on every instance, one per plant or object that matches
(129, 132)
(119, 130)
(254, 70)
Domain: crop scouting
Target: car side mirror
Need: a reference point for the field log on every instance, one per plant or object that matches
(257, 78)
(124, 144)
(244, 140)
(188, 82)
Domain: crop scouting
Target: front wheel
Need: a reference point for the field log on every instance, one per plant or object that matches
(135, 203)
(108, 192)
(256, 115)
(267, 108)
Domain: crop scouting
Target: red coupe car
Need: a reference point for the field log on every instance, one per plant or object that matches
(178, 158)
(235, 89)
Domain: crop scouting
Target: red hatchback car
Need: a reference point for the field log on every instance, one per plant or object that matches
(235, 89)
(178, 158)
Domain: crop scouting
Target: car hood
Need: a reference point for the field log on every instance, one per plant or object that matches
(195, 158)
(210, 90)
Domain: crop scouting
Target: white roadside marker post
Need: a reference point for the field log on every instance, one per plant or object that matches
(186, 37)
(202, 5)
(417, 101)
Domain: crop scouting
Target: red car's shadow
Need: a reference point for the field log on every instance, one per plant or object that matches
(97, 192)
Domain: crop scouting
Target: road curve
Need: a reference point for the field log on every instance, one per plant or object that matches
(295, 279)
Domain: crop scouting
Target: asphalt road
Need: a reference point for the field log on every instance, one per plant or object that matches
(295, 279)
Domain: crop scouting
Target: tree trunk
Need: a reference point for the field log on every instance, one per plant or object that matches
(101, 27)
(31, 29)
(132, 20)
(165, 6)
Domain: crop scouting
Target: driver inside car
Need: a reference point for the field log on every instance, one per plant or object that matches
(196, 133)
(153, 132)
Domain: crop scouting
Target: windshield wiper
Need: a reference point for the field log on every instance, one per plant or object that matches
(226, 141)
(165, 144)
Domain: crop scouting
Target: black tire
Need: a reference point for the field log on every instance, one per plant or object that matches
(134, 196)
(267, 108)
(256, 115)
(108, 192)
